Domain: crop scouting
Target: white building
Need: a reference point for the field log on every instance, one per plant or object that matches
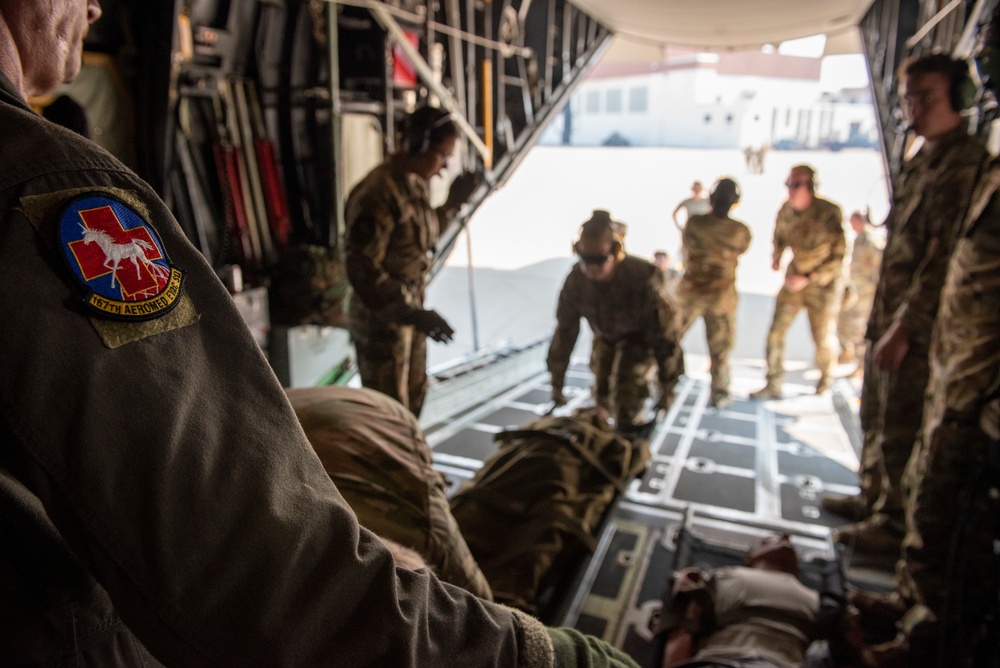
(714, 100)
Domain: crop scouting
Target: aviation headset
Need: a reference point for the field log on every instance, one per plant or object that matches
(419, 127)
(813, 183)
(961, 92)
(725, 188)
(961, 89)
(600, 221)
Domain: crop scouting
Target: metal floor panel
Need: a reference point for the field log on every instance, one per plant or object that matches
(763, 462)
(753, 468)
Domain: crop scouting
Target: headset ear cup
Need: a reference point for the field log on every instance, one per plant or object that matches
(963, 91)
(618, 250)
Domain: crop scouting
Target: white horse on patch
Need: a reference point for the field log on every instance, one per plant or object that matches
(115, 253)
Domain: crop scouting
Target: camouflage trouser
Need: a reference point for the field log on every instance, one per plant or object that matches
(853, 320)
(870, 474)
(947, 498)
(821, 303)
(896, 429)
(393, 360)
(621, 377)
(720, 330)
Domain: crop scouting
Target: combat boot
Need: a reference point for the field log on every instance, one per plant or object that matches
(823, 384)
(769, 391)
(875, 535)
(851, 506)
(720, 400)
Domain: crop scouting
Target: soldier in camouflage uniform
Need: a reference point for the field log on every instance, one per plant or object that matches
(392, 230)
(625, 302)
(811, 227)
(373, 448)
(866, 258)
(713, 244)
(947, 473)
(931, 194)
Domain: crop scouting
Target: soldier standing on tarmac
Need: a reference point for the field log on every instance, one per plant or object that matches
(713, 244)
(625, 302)
(866, 258)
(930, 195)
(812, 228)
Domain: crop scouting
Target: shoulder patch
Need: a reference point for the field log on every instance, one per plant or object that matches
(117, 258)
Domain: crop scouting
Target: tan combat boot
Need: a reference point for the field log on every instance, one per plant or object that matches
(769, 391)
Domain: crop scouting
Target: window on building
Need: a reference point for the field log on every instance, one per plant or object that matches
(708, 118)
(593, 105)
(729, 119)
(613, 103)
(638, 100)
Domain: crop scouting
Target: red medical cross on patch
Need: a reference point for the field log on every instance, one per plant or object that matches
(107, 246)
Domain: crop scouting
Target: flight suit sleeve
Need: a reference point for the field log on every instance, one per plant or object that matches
(567, 331)
(831, 268)
(919, 307)
(178, 474)
(371, 218)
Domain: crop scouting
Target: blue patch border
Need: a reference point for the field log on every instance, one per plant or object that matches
(113, 309)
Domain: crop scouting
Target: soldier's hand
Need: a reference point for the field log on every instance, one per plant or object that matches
(432, 324)
(796, 282)
(462, 188)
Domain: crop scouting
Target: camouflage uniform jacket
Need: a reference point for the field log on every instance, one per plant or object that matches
(932, 192)
(866, 259)
(965, 354)
(389, 245)
(712, 249)
(816, 237)
(633, 304)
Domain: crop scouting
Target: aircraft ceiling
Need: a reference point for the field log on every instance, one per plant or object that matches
(731, 24)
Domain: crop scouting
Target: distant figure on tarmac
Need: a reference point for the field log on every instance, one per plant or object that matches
(859, 293)
(633, 319)
(812, 228)
(713, 243)
(661, 259)
(696, 205)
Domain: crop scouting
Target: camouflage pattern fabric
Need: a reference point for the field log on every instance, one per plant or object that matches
(375, 452)
(816, 239)
(933, 191)
(635, 327)
(946, 473)
(389, 248)
(309, 287)
(707, 290)
(534, 508)
(866, 259)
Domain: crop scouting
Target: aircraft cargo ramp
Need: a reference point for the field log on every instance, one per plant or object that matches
(754, 467)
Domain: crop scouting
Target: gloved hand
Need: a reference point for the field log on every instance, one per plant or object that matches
(462, 188)
(576, 650)
(664, 401)
(431, 324)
